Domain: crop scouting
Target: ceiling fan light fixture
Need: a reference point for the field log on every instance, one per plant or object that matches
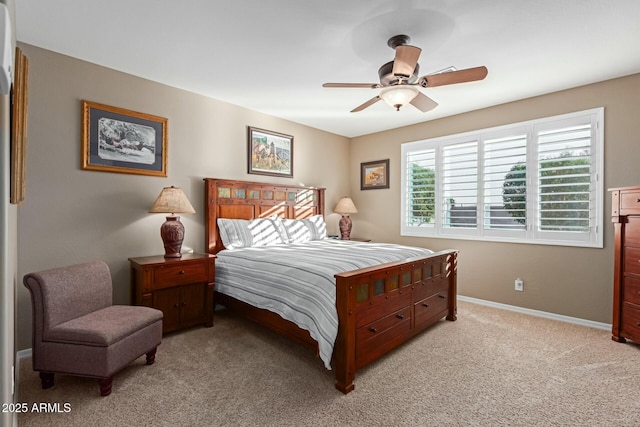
(398, 95)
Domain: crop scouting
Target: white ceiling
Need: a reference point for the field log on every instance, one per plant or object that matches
(273, 56)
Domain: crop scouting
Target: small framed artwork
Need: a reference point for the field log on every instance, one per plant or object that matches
(374, 175)
(269, 153)
(123, 141)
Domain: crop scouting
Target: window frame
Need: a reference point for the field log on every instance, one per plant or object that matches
(531, 233)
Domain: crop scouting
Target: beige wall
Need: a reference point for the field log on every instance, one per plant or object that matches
(570, 281)
(70, 215)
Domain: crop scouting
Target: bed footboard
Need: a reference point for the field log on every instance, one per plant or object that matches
(381, 307)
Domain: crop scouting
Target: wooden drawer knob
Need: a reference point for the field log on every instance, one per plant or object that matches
(374, 330)
(181, 271)
(400, 316)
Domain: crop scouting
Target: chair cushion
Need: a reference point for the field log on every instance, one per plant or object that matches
(104, 327)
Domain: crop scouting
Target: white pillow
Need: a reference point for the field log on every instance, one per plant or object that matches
(305, 230)
(242, 233)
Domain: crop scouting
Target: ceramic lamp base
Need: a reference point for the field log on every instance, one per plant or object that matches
(345, 227)
(172, 233)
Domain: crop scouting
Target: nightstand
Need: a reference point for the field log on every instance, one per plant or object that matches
(182, 288)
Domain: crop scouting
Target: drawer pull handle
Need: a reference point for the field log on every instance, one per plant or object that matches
(400, 316)
(175, 306)
(425, 305)
(638, 201)
(181, 271)
(441, 296)
(374, 330)
(638, 324)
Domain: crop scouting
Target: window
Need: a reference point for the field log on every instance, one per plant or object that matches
(531, 182)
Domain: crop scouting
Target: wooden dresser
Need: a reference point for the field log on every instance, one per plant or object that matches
(625, 215)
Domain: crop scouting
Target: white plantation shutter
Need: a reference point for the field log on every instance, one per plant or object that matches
(504, 183)
(460, 185)
(421, 187)
(530, 182)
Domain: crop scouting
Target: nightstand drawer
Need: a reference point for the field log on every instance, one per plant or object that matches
(183, 274)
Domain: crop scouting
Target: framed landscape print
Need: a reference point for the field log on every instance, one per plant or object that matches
(123, 141)
(374, 175)
(269, 153)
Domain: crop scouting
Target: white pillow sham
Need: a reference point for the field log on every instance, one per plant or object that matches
(305, 230)
(242, 233)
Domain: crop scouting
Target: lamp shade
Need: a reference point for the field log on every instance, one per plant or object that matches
(345, 206)
(172, 200)
(398, 95)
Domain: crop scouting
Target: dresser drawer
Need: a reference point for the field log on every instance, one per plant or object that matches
(181, 274)
(430, 309)
(632, 291)
(630, 203)
(374, 329)
(381, 336)
(632, 232)
(631, 323)
(631, 260)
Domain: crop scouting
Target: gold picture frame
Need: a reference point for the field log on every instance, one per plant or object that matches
(123, 141)
(19, 108)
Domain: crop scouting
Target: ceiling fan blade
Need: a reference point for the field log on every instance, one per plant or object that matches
(423, 103)
(405, 61)
(453, 77)
(355, 85)
(366, 104)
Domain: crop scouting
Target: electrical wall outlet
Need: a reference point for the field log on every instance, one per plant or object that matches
(519, 285)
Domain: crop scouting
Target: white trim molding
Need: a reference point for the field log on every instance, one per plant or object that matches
(538, 313)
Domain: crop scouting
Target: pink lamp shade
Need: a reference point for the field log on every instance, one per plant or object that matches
(345, 207)
(172, 200)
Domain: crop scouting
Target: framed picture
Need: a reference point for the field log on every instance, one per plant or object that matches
(374, 175)
(123, 141)
(19, 127)
(269, 153)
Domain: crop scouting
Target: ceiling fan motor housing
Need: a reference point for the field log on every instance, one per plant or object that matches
(387, 78)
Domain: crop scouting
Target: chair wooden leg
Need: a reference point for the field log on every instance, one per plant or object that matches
(105, 385)
(151, 356)
(47, 379)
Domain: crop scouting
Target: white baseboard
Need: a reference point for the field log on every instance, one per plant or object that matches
(23, 354)
(538, 313)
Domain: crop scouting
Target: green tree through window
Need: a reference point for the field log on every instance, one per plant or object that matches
(422, 181)
(564, 193)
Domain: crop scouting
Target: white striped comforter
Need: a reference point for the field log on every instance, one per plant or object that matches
(297, 281)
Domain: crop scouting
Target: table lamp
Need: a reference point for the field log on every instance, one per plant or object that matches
(172, 201)
(345, 207)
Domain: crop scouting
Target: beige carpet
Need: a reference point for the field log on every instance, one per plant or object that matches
(489, 368)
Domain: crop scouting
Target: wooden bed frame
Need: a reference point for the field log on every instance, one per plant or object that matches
(378, 307)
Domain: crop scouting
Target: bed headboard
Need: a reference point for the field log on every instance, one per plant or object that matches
(225, 198)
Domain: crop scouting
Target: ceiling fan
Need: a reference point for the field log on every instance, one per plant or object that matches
(399, 79)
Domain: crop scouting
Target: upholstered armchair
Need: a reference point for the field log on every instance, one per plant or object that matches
(77, 330)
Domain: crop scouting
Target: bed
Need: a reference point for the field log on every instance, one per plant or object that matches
(382, 302)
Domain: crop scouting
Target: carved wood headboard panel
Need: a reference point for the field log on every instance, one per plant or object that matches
(234, 199)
